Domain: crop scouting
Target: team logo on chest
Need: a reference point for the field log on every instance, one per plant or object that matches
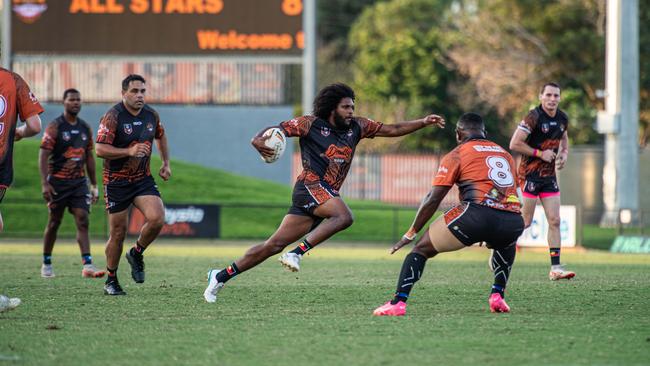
(149, 127)
(128, 128)
(545, 127)
(84, 137)
(3, 106)
(65, 135)
(325, 131)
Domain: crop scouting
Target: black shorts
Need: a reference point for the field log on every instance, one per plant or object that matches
(472, 223)
(120, 195)
(307, 196)
(541, 187)
(69, 193)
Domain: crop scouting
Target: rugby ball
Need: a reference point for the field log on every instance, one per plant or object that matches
(277, 142)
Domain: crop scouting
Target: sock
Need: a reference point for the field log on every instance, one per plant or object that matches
(86, 258)
(228, 273)
(112, 274)
(47, 258)
(502, 260)
(411, 272)
(555, 256)
(137, 249)
(302, 248)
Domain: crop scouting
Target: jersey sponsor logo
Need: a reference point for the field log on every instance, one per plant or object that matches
(3, 106)
(325, 131)
(545, 127)
(553, 123)
(137, 123)
(128, 129)
(66, 136)
(484, 148)
(29, 10)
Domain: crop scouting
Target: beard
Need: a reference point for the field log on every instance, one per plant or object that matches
(340, 122)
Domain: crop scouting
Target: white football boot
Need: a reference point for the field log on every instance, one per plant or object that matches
(291, 261)
(210, 293)
(559, 273)
(47, 271)
(8, 303)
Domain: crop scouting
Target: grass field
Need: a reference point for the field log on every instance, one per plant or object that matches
(322, 315)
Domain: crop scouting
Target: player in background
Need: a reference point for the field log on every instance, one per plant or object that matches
(124, 140)
(327, 142)
(16, 100)
(542, 140)
(66, 154)
(489, 211)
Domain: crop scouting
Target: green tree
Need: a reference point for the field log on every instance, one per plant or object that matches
(399, 64)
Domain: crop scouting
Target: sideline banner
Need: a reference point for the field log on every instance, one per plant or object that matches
(535, 235)
(631, 244)
(182, 220)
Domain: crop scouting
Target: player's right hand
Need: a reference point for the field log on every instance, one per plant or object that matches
(404, 241)
(548, 155)
(139, 150)
(259, 143)
(48, 191)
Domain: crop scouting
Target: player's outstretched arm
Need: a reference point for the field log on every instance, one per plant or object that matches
(258, 142)
(31, 127)
(165, 170)
(404, 128)
(427, 208)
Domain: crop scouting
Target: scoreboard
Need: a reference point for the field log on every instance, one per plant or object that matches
(157, 27)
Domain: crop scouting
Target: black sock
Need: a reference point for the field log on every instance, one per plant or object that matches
(411, 272)
(228, 273)
(302, 248)
(555, 256)
(502, 260)
(47, 258)
(137, 249)
(86, 258)
(112, 274)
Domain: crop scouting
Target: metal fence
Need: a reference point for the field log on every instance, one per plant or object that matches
(169, 80)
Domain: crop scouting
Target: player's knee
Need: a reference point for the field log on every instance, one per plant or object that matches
(345, 221)
(275, 246)
(527, 222)
(554, 221)
(157, 221)
(53, 224)
(83, 223)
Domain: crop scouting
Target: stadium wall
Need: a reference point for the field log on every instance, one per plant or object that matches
(212, 136)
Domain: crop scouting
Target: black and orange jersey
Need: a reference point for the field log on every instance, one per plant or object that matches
(16, 100)
(544, 133)
(484, 174)
(326, 151)
(121, 129)
(70, 144)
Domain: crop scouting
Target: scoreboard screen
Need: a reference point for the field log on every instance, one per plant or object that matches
(157, 27)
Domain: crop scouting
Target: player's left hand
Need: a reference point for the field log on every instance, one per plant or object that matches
(560, 161)
(94, 194)
(165, 172)
(434, 119)
(404, 241)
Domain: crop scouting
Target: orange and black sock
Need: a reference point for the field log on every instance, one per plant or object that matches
(555, 256)
(302, 248)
